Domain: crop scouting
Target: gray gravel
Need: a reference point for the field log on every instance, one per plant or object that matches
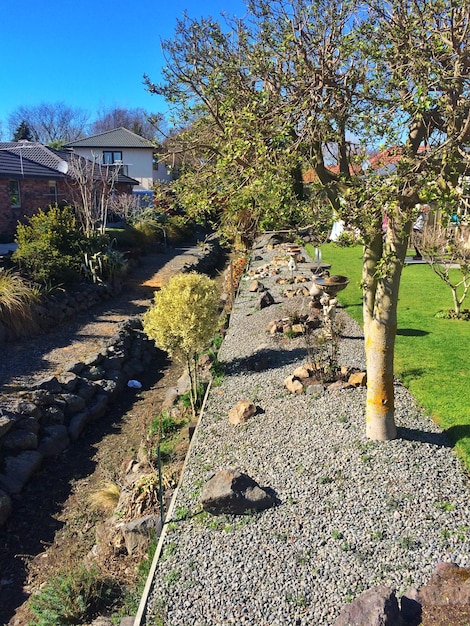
(352, 514)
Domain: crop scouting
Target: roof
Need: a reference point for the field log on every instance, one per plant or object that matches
(116, 138)
(55, 161)
(34, 151)
(17, 167)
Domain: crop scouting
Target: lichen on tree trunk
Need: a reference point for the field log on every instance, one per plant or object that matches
(383, 262)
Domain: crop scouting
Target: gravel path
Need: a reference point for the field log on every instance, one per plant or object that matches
(352, 514)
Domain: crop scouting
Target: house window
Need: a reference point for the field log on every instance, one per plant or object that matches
(110, 157)
(53, 190)
(14, 190)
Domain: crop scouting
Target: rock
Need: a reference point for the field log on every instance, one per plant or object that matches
(375, 607)
(73, 403)
(68, 381)
(303, 371)
(171, 396)
(293, 384)
(54, 441)
(18, 470)
(5, 507)
(298, 329)
(338, 385)
(50, 384)
(183, 384)
(358, 379)
(53, 415)
(78, 424)
(256, 286)
(6, 423)
(19, 439)
(87, 390)
(99, 406)
(137, 533)
(448, 591)
(232, 492)
(266, 300)
(241, 412)
(25, 407)
(94, 372)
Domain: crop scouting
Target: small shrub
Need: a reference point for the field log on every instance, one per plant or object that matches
(16, 299)
(178, 229)
(71, 598)
(106, 498)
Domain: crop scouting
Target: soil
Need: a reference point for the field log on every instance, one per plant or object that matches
(53, 524)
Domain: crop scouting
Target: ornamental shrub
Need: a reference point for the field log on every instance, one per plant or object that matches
(183, 320)
(50, 247)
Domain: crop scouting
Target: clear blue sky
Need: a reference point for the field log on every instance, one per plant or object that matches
(90, 54)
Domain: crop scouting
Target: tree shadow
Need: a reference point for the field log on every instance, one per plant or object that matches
(412, 332)
(458, 432)
(423, 436)
(264, 359)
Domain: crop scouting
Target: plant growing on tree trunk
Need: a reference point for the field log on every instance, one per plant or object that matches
(183, 320)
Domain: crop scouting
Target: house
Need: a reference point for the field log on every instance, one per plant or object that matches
(133, 153)
(33, 176)
(25, 186)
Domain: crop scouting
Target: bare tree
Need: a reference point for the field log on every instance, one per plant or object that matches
(446, 249)
(52, 123)
(92, 185)
(137, 120)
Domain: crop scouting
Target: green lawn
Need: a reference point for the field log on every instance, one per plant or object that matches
(432, 355)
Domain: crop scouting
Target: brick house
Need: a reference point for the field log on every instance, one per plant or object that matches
(33, 176)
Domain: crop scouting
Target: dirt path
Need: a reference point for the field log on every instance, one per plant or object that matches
(52, 524)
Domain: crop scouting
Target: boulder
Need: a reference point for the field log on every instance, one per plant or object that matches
(266, 300)
(447, 592)
(18, 470)
(55, 440)
(256, 287)
(232, 492)
(293, 384)
(138, 532)
(303, 371)
(375, 607)
(241, 412)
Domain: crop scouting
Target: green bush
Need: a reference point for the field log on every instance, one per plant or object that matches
(50, 247)
(178, 229)
(71, 598)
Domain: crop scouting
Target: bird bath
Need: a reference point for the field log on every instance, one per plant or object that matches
(331, 284)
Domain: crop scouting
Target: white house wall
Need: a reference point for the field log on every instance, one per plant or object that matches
(139, 162)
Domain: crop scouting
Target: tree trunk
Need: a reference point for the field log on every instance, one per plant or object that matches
(383, 262)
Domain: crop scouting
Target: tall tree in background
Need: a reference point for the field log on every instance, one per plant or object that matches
(52, 124)
(293, 84)
(23, 132)
(136, 120)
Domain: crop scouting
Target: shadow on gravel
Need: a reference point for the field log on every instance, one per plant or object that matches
(36, 516)
(265, 360)
(435, 439)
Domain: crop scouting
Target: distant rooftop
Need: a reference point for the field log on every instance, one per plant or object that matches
(117, 138)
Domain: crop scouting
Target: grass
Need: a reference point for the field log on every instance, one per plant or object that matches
(432, 356)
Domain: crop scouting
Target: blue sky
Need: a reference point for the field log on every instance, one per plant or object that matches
(90, 54)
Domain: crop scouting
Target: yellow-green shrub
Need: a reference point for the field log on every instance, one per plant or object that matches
(183, 320)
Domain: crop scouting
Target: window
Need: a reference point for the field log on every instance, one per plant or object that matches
(110, 157)
(14, 190)
(53, 190)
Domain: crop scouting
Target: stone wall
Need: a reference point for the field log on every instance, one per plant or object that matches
(43, 420)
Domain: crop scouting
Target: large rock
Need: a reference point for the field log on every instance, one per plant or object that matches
(230, 491)
(241, 412)
(18, 470)
(375, 607)
(138, 532)
(293, 384)
(446, 598)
